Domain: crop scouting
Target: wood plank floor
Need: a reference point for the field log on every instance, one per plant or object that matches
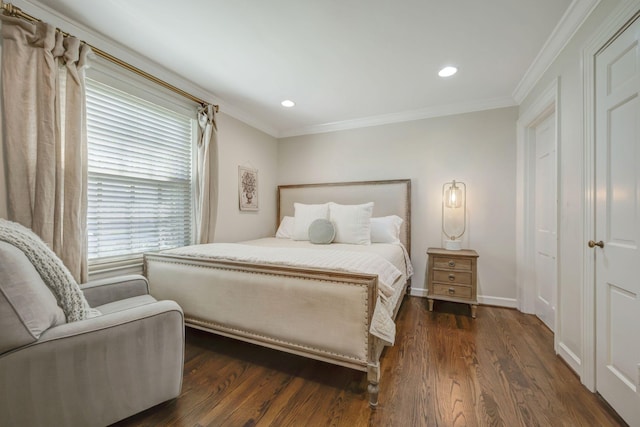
(446, 369)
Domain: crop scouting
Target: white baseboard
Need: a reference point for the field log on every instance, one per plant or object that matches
(570, 357)
(418, 292)
(497, 301)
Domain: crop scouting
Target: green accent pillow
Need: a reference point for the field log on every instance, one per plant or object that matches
(321, 231)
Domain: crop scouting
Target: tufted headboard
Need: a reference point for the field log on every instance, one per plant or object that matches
(392, 197)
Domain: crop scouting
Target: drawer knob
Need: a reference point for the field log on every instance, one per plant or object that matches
(452, 263)
(452, 291)
(452, 277)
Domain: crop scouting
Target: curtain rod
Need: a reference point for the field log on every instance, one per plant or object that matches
(11, 10)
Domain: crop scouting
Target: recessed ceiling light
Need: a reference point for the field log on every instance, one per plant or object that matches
(447, 71)
(288, 103)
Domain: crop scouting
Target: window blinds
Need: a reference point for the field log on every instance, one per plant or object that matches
(139, 170)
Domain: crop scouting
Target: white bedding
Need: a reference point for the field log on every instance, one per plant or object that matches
(388, 261)
(395, 253)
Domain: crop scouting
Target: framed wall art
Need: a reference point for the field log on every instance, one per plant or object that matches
(248, 188)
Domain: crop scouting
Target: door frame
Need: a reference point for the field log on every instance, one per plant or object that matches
(543, 107)
(617, 22)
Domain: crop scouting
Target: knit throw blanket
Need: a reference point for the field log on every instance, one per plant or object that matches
(53, 272)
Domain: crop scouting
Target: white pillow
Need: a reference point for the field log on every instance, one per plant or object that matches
(304, 216)
(285, 231)
(386, 229)
(352, 223)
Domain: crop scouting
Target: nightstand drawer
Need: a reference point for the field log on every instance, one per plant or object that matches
(455, 263)
(452, 290)
(457, 277)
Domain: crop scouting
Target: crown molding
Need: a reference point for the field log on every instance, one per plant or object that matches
(405, 116)
(45, 13)
(573, 18)
(575, 15)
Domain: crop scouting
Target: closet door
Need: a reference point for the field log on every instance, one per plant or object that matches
(618, 224)
(546, 236)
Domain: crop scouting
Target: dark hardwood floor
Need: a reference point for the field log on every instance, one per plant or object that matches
(446, 369)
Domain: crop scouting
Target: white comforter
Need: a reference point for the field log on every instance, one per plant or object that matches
(382, 324)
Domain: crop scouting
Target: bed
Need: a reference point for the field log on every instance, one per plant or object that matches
(264, 292)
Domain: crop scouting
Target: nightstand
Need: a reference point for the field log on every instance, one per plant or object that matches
(452, 276)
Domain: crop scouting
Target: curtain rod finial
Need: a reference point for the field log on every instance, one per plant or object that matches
(10, 9)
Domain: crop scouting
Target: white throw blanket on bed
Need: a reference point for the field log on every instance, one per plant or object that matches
(382, 324)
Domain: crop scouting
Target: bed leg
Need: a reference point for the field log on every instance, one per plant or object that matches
(373, 389)
(373, 376)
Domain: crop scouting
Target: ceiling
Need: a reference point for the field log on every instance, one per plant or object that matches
(346, 63)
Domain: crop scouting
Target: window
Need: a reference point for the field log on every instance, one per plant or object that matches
(139, 172)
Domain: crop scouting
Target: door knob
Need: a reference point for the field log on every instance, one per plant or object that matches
(593, 244)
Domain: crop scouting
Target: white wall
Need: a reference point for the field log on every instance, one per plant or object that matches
(568, 68)
(477, 148)
(242, 145)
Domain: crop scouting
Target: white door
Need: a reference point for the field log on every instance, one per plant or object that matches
(545, 221)
(618, 224)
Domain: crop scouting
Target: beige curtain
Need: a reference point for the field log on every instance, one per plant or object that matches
(45, 141)
(206, 175)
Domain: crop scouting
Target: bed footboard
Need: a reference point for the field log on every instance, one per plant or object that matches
(315, 313)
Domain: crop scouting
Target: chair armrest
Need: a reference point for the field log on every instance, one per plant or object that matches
(111, 320)
(104, 291)
(125, 361)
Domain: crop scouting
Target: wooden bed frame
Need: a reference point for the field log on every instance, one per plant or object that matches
(268, 304)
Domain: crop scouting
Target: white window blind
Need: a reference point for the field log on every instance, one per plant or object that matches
(140, 180)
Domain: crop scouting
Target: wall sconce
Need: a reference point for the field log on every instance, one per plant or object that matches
(454, 213)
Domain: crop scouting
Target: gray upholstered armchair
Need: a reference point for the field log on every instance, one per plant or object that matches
(90, 372)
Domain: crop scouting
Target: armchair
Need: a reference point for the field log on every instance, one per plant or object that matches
(91, 372)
